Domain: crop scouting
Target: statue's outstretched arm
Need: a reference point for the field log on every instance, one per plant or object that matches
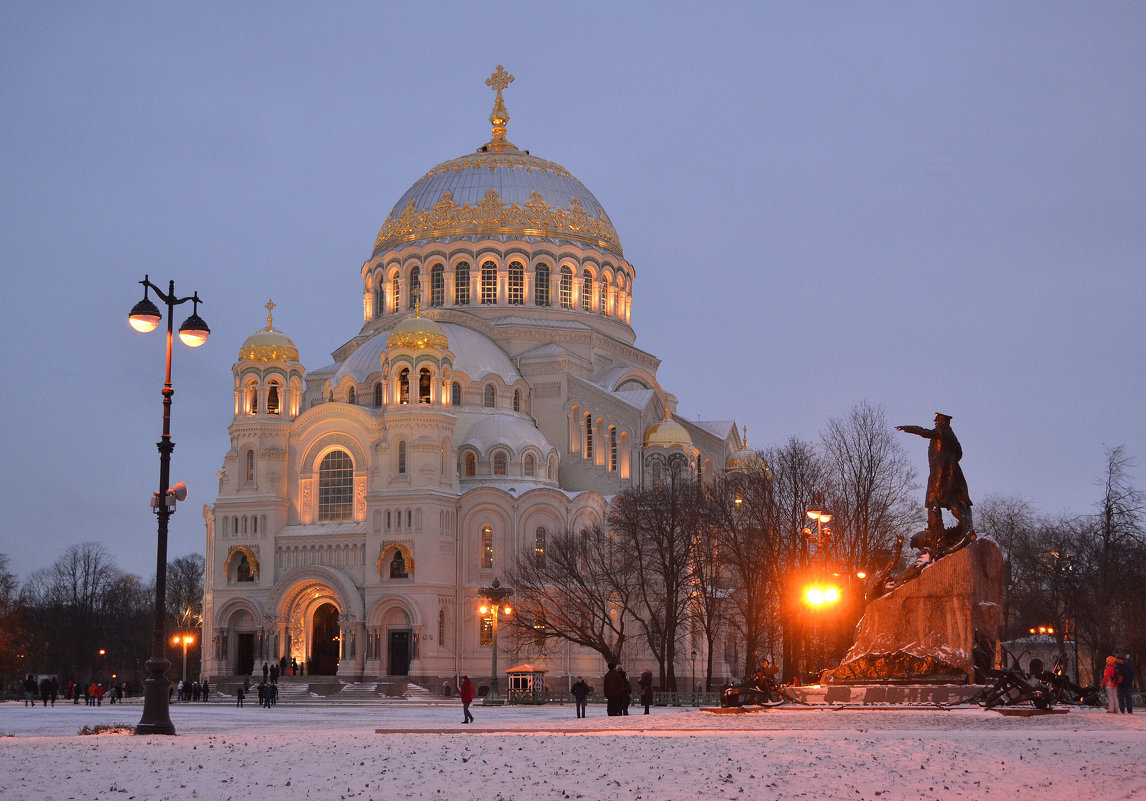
(919, 431)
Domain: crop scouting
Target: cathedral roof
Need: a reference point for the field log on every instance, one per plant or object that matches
(497, 190)
(268, 344)
(474, 354)
(667, 434)
(510, 430)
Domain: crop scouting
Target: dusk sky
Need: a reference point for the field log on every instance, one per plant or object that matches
(927, 206)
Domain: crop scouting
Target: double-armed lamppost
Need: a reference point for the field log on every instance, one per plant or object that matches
(145, 317)
(494, 595)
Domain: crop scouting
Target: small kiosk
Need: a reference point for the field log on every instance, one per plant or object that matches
(526, 684)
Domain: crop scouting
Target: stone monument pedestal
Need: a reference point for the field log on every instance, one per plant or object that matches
(935, 629)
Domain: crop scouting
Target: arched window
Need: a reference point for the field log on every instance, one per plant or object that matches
(517, 400)
(455, 394)
(252, 399)
(336, 487)
(471, 464)
(499, 464)
(487, 547)
(402, 458)
(541, 285)
(273, 399)
(235, 525)
(396, 292)
(404, 386)
(565, 295)
(488, 282)
(245, 524)
(587, 292)
(516, 283)
(378, 394)
(612, 448)
(249, 476)
(424, 385)
(379, 296)
(254, 524)
(462, 284)
(551, 469)
(588, 435)
(351, 396)
(602, 306)
(539, 547)
(528, 466)
(442, 628)
(415, 287)
(490, 396)
(437, 285)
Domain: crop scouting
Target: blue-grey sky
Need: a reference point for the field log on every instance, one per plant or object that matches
(928, 206)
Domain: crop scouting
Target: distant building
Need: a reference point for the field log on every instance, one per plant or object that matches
(492, 398)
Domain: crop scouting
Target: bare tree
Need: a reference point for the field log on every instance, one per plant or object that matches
(711, 586)
(185, 590)
(580, 591)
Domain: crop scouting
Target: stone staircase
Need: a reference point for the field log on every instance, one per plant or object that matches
(329, 690)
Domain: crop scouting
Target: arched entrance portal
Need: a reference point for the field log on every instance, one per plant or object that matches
(325, 641)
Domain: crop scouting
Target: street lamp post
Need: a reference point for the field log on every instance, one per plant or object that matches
(494, 595)
(145, 317)
(186, 639)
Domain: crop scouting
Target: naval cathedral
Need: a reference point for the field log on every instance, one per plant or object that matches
(493, 397)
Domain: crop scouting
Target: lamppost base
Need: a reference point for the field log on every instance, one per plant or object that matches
(156, 718)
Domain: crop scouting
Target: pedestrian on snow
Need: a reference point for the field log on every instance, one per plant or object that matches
(646, 685)
(266, 672)
(626, 691)
(29, 690)
(203, 689)
(466, 691)
(1125, 686)
(580, 691)
(612, 683)
(1110, 679)
(240, 694)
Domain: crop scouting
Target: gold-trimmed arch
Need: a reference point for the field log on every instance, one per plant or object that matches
(252, 559)
(383, 564)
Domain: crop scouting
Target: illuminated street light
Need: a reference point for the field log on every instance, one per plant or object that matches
(186, 639)
(494, 595)
(145, 317)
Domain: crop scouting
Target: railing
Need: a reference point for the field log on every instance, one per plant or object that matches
(549, 696)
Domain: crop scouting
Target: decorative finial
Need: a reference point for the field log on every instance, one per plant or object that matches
(499, 117)
(270, 307)
(745, 437)
(417, 308)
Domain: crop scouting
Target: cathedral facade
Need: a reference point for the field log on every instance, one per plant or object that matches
(492, 398)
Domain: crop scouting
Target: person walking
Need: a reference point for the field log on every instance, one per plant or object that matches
(646, 685)
(29, 690)
(580, 691)
(466, 691)
(1125, 686)
(240, 694)
(1110, 677)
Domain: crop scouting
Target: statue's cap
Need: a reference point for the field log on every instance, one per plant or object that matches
(946, 418)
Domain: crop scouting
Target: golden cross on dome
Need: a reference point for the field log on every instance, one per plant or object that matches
(270, 307)
(499, 117)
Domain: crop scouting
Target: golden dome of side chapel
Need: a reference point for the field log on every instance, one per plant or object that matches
(268, 344)
(745, 460)
(416, 333)
(667, 434)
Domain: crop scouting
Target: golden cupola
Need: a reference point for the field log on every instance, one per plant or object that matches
(268, 344)
(667, 434)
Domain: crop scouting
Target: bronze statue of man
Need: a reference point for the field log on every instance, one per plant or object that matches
(946, 487)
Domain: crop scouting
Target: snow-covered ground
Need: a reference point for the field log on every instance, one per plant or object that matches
(520, 753)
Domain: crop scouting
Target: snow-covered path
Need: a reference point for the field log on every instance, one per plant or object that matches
(544, 753)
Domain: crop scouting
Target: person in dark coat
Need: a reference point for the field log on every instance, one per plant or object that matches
(1126, 686)
(612, 683)
(646, 685)
(466, 691)
(626, 691)
(580, 691)
(203, 690)
(29, 690)
(240, 694)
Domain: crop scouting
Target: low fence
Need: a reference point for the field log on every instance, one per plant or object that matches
(548, 696)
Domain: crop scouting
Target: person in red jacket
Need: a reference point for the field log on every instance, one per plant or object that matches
(467, 693)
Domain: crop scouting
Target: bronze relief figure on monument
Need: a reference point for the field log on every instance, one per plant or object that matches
(937, 622)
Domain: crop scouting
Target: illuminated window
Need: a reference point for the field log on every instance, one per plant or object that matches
(252, 399)
(351, 396)
(539, 628)
(336, 487)
(529, 468)
(516, 283)
(488, 282)
(541, 285)
(250, 475)
(396, 292)
(539, 547)
(424, 385)
(415, 287)
(587, 292)
(455, 394)
(379, 297)
(487, 630)
(462, 284)
(612, 448)
(404, 386)
(490, 396)
(437, 285)
(401, 458)
(471, 464)
(566, 289)
(487, 547)
(603, 304)
(499, 464)
(588, 436)
(273, 399)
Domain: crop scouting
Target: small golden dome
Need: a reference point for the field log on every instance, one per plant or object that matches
(667, 434)
(746, 460)
(269, 344)
(417, 333)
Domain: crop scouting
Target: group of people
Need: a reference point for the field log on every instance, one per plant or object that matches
(618, 691)
(1118, 681)
(48, 689)
(268, 688)
(192, 690)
